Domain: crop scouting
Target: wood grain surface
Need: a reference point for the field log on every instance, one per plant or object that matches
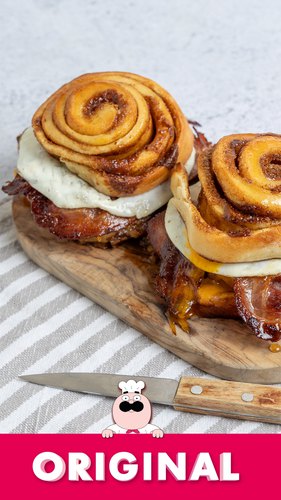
(121, 281)
(261, 403)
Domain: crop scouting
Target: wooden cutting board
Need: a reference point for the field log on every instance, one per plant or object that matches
(120, 280)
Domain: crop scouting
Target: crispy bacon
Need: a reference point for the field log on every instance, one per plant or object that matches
(83, 224)
(185, 288)
(200, 142)
(175, 282)
(189, 291)
(258, 301)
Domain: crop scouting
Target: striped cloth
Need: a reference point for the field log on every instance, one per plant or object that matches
(46, 326)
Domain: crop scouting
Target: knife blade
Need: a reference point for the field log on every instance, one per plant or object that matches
(230, 399)
(105, 384)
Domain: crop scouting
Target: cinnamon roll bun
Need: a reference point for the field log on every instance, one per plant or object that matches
(101, 149)
(118, 131)
(229, 233)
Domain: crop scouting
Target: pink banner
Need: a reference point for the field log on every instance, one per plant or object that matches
(138, 466)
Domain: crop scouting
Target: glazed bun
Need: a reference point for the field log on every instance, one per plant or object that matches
(237, 217)
(120, 132)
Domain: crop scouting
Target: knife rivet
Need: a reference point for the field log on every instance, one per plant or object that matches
(247, 397)
(196, 389)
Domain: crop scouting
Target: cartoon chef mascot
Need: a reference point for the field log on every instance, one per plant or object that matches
(131, 412)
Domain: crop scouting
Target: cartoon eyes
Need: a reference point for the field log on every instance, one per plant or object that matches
(126, 397)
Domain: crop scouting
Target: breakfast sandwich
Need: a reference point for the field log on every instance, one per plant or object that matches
(95, 165)
(219, 242)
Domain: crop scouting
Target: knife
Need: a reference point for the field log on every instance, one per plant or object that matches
(223, 398)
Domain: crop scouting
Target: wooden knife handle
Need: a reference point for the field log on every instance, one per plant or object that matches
(261, 403)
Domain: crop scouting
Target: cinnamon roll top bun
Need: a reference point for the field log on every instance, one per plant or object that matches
(120, 132)
(237, 217)
(96, 163)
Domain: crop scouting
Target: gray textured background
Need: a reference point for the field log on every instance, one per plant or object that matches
(219, 58)
(221, 61)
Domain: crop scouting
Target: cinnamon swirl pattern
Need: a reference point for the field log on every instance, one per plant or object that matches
(237, 218)
(120, 132)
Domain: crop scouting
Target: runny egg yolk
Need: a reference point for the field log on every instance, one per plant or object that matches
(202, 263)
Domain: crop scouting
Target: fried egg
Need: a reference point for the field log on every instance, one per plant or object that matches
(177, 233)
(51, 178)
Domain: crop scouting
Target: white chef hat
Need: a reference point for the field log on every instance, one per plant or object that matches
(131, 386)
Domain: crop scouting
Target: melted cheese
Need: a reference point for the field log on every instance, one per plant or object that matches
(210, 290)
(66, 190)
(177, 233)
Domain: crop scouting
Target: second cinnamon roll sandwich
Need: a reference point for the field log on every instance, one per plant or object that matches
(95, 165)
(221, 250)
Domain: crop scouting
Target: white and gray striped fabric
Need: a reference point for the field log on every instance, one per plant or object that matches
(48, 327)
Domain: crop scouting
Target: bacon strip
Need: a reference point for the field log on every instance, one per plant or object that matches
(200, 142)
(186, 289)
(258, 301)
(175, 282)
(83, 224)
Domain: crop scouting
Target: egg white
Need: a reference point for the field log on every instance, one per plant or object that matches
(177, 233)
(66, 190)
